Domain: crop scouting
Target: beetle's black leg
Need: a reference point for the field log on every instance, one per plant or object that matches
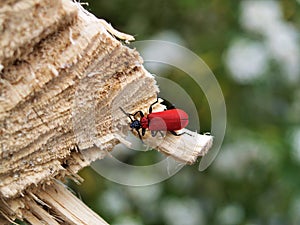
(172, 107)
(154, 133)
(168, 105)
(161, 133)
(140, 112)
(150, 108)
(174, 133)
(138, 131)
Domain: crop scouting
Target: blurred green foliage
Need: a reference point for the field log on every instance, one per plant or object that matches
(254, 179)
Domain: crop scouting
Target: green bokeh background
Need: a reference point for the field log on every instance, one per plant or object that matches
(255, 178)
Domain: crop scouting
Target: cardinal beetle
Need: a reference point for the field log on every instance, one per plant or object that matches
(171, 120)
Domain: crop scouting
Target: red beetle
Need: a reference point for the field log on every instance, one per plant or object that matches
(169, 120)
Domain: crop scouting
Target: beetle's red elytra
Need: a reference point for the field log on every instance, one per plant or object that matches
(169, 120)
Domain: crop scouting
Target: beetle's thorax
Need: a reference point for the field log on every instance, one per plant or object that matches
(144, 122)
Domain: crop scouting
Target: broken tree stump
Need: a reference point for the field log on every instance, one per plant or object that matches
(63, 74)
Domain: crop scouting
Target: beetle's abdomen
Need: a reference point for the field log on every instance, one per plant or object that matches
(173, 119)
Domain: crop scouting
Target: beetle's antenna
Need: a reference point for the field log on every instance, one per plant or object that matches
(127, 114)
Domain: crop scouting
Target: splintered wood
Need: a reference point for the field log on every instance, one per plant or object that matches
(64, 74)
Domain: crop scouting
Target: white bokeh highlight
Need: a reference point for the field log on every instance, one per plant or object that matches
(277, 40)
(182, 211)
(295, 143)
(246, 60)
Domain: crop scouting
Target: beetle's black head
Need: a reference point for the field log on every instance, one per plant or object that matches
(135, 124)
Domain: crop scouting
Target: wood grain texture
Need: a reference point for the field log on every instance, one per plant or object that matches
(48, 68)
(64, 74)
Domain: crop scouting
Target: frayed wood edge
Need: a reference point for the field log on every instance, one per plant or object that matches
(64, 206)
(108, 27)
(185, 148)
